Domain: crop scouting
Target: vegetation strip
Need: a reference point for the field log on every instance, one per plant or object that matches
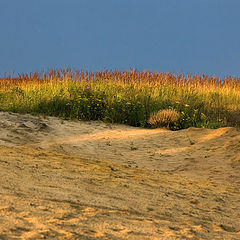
(135, 98)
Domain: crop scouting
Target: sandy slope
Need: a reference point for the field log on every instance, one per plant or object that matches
(91, 180)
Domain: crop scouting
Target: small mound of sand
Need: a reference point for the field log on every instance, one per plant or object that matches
(92, 180)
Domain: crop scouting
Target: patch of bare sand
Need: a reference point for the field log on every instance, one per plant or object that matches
(92, 180)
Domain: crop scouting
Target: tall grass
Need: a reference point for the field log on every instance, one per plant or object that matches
(129, 97)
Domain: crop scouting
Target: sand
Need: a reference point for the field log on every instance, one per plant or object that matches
(62, 179)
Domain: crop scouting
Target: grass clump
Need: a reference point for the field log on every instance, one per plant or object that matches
(142, 99)
(164, 118)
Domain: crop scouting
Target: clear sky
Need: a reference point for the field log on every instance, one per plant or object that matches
(189, 36)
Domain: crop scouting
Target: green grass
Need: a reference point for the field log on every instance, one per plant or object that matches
(117, 99)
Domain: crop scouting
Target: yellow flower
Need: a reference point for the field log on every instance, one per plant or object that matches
(186, 105)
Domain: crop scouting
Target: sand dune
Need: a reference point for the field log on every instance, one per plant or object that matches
(91, 180)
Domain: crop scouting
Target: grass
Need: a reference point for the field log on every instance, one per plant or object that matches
(129, 97)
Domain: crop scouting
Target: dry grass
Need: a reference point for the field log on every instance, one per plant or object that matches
(164, 118)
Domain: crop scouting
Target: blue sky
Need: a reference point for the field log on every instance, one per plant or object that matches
(189, 36)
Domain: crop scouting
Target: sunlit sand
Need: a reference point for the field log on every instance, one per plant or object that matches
(92, 180)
